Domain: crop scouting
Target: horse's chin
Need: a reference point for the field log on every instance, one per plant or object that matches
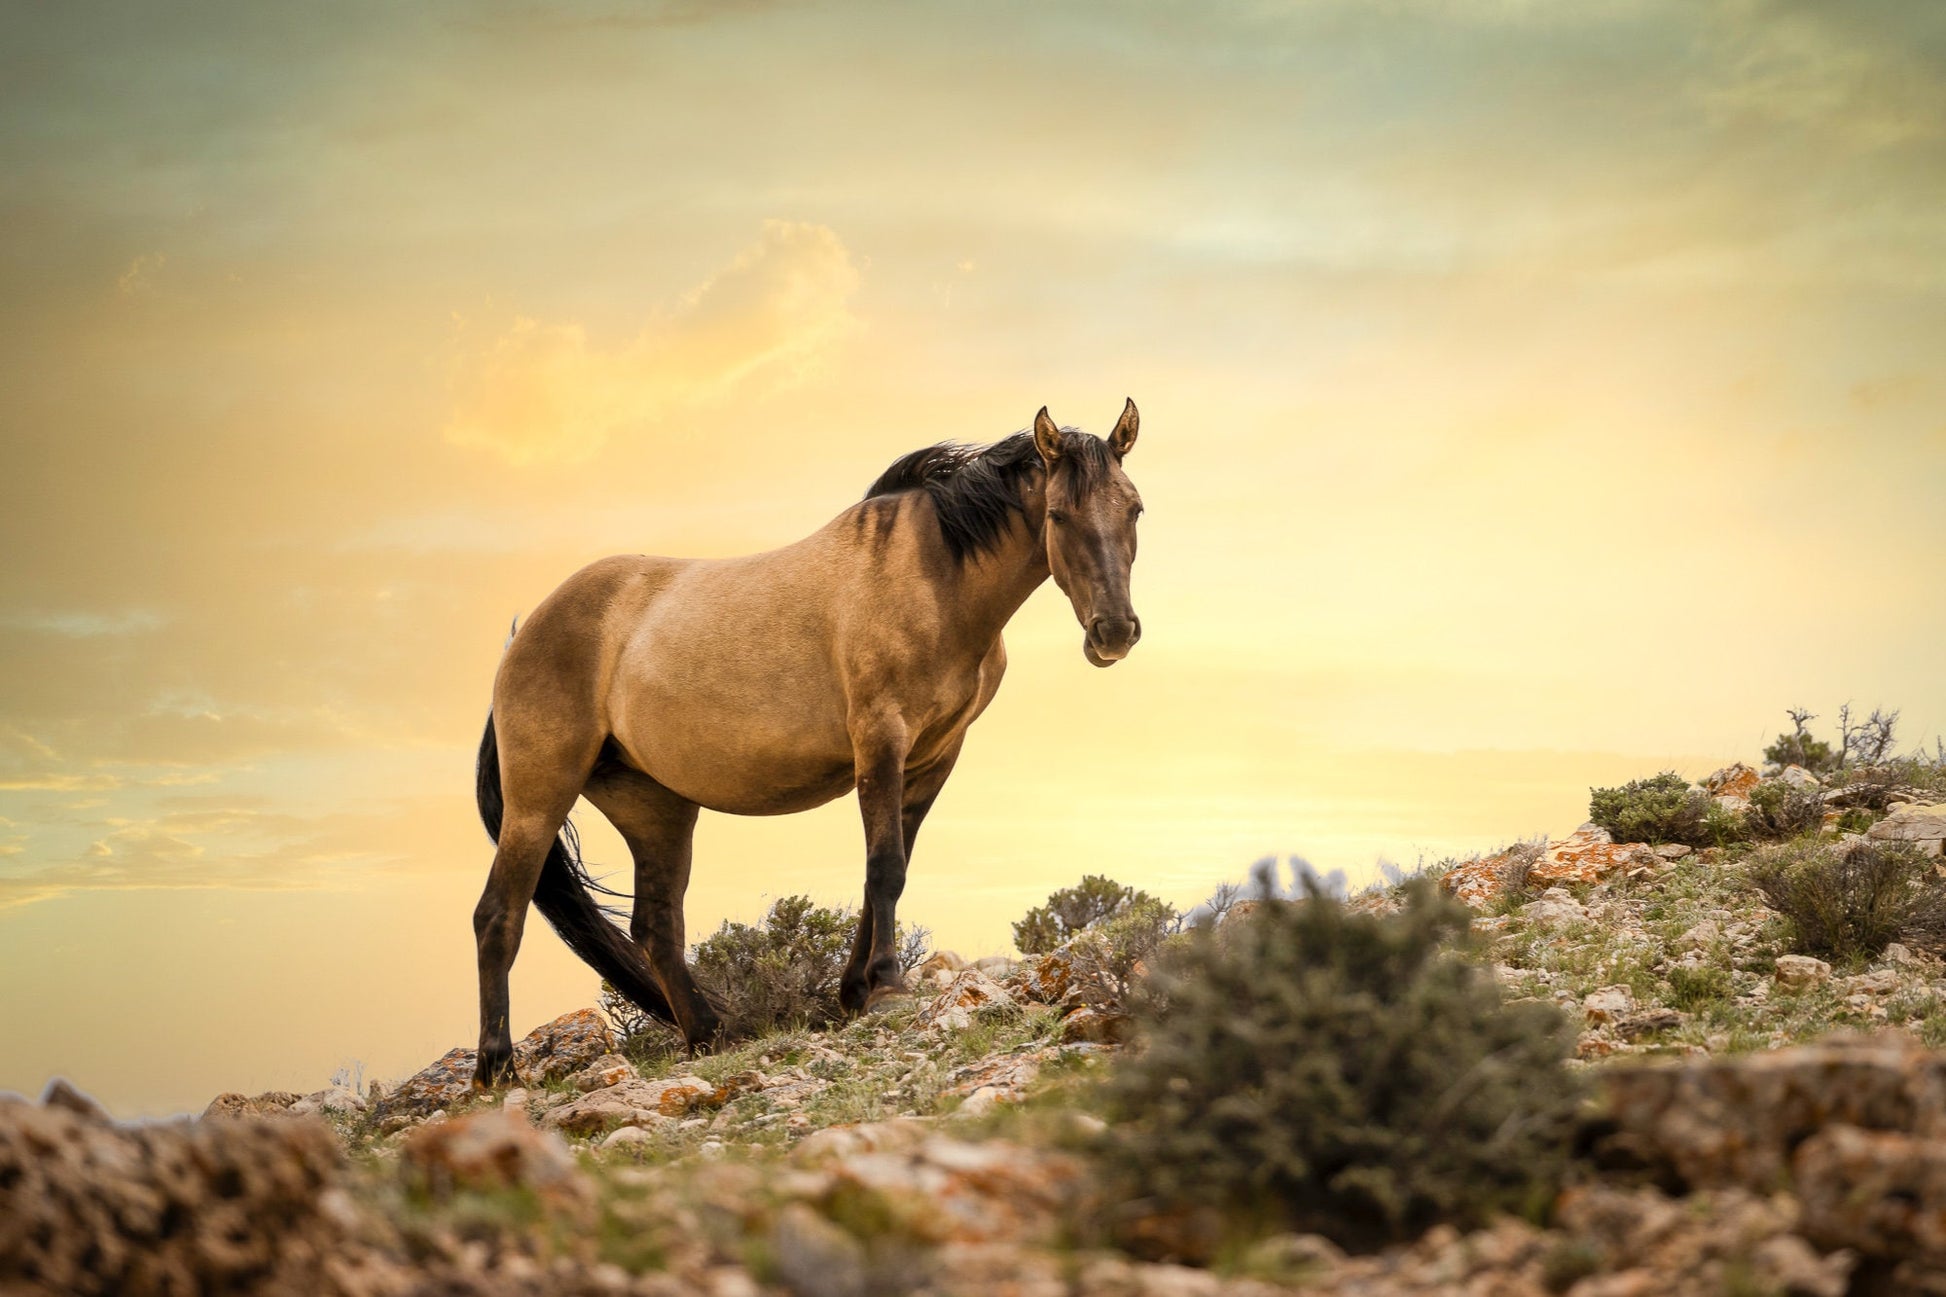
(1088, 651)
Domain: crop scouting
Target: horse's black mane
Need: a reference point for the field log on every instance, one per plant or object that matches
(975, 489)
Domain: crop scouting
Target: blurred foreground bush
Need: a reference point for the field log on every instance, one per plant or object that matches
(1314, 1069)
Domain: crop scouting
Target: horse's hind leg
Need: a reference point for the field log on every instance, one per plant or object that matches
(541, 774)
(659, 828)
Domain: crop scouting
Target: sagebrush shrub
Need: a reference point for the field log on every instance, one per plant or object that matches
(1320, 1070)
(1070, 910)
(1662, 808)
(1779, 810)
(1848, 906)
(1107, 959)
(780, 973)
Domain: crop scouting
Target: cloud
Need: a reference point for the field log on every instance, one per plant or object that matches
(545, 392)
(83, 625)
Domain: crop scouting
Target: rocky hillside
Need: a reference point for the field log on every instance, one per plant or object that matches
(1760, 1121)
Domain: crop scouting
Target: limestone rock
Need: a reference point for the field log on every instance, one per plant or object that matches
(940, 961)
(1923, 824)
(1799, 777)
(969, 993)
(1640, 1026)
(1045, 979)
(1608, 1004)
(815, 1258)
(1556, 907)
(1796, 972)
(1097, 1026)
(1484, 881)
(609, 1069)
(1672, 851)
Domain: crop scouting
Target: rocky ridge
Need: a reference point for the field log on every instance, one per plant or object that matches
(1767, 1123)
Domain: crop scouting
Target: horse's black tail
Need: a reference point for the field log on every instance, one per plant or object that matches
(566, 896)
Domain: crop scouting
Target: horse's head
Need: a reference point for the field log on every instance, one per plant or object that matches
(1090, 531)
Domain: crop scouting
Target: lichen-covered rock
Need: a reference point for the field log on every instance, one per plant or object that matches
(609, 1069)
(271, 1103)
(1589, 855)
(1732, 785)
(558, 1049)
(970, 993)
(1608, 1004)
(1483, 882)
(1096, 1026)
(444, 1083)
(1045, 979)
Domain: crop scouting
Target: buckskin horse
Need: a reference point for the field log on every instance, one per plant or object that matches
(761, 685)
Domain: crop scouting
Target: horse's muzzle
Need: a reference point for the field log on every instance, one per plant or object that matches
(1110, 638)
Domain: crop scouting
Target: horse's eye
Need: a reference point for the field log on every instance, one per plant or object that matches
(1057, 515)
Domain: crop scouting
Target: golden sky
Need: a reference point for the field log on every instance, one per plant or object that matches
(1534, 395)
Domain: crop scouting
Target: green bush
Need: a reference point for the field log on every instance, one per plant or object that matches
(781, 973)
(1663, 808)
(1778, 810)
(1107, 959)
(1847, 907)
(1695, 988)
(1799, 748)
(1314, 1069)
(1068, 911)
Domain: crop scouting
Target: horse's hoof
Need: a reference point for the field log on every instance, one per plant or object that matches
(885, 999)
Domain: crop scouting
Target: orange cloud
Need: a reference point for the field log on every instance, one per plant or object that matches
(544, 392)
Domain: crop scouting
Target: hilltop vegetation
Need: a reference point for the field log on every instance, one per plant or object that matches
(1600, 1064)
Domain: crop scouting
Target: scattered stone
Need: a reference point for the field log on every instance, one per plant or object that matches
(1799, 777)
(1883, 982)
(1798, 972)
(444, 1083)
(1671, 851)
(633, 1103)
(940, 961)
(995, 965)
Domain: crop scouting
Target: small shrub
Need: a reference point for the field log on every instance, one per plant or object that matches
(1778, 810)
(1848, 907)
(1696, 988)
(1314, 1069)
(1662, 808)
(1068, 911)
(781, 973)
(1107, 959)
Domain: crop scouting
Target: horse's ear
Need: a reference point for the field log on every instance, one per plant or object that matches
(1047, 437)
(1123, 437)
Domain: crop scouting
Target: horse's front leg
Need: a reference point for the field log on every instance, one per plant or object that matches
(874, 963)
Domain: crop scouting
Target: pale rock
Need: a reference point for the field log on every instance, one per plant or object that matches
(1924, 824)
(1608, 1004)
(623, 1138)
(1672, 851)
(1799, 777)
(970, 993)
(940, 961)
(1796, 972)
(609, 1069)
(1705, 933)
(1901, 954)
(994, 965)
(557, 1050)
(632, 1103)
(1556, 907)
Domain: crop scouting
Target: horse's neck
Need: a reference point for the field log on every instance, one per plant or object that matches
(993, 588)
